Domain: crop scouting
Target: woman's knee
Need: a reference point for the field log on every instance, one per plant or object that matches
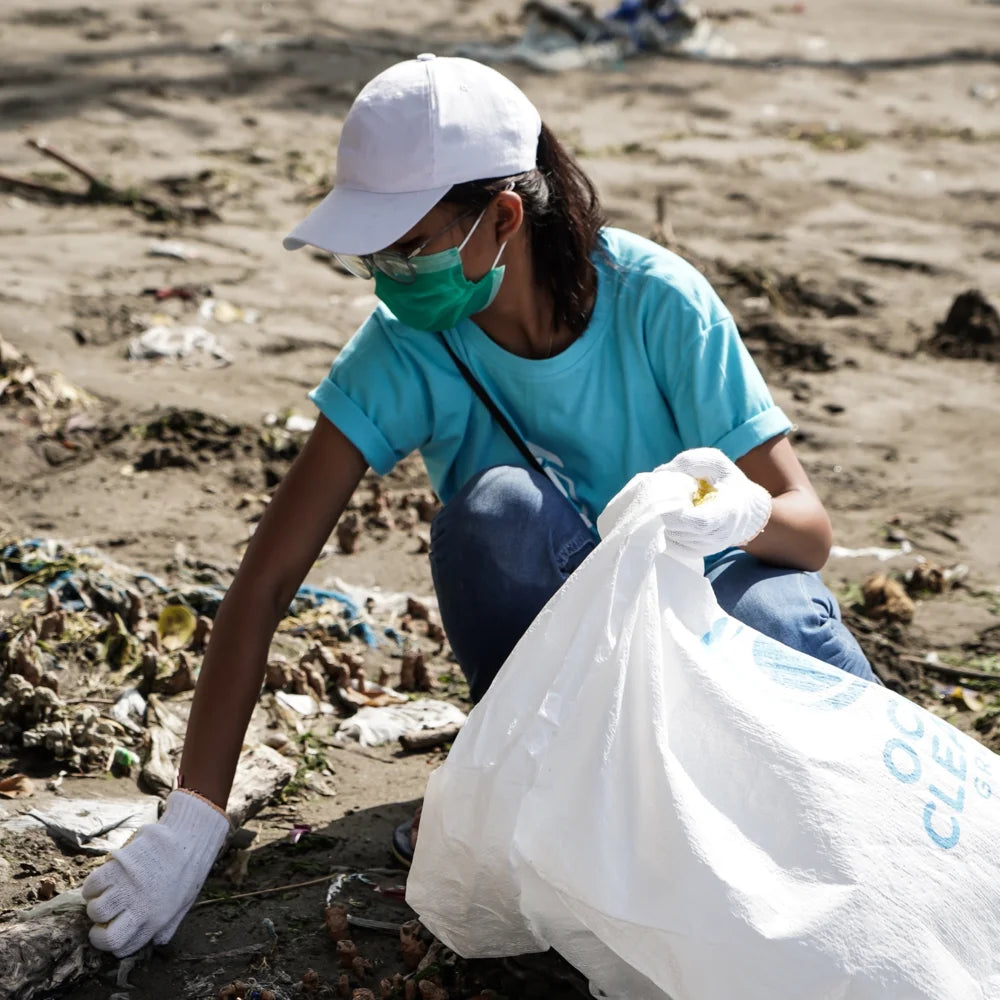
(513, 519)
(792, 606)
(496, 495)
(767, 598)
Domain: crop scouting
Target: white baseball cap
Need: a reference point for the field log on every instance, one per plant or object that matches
(415, 130)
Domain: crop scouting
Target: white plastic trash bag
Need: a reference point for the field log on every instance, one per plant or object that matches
(686, 809)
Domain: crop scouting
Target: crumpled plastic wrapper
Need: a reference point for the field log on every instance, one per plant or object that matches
(372, 726)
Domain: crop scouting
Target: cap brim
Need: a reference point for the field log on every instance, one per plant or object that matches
(351, 221)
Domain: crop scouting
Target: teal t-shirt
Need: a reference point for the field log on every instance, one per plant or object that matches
(659, 369)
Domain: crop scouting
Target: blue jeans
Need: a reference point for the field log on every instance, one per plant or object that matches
(508, 540)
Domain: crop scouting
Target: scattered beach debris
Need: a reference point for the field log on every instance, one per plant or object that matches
(371, 726)
(421, 740)
(172, 249)
(16, 786)
(871, 551)
(46, 947)
(885, 598)
(100, 192)
(250, 989)
(303, 704)
(260, 774)
(162, 341)
(175, 626)
(221, 311)
(95, 667)
(985, 92)
(566, 36)
(47, 396)
(94, 825)
(186, 292)
(971, 330)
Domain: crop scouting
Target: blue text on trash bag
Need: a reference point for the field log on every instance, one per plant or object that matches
(931, 754)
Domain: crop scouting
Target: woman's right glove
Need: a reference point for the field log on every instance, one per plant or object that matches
(148, 886)
(727, 508)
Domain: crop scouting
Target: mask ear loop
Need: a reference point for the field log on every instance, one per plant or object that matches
(468, 235)
(479, 218)
(496, 260)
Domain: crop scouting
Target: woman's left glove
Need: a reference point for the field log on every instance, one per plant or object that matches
(727, 508)
(148, 886)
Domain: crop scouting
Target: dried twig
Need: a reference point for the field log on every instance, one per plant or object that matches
(382, 926)
(277, 888)
(46, 150)
(99, 192)
(955, 673)
(46, 189)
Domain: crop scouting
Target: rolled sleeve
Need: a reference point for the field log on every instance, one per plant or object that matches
(753, 432)
(720, 396)
(355, 425)
(376, 393)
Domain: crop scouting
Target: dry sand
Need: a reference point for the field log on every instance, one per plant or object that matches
(837, 179)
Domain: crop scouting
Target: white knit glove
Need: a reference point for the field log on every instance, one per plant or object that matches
(148, 886)
(727, 508)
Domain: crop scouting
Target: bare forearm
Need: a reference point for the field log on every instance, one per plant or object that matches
(798, 533)
(227, 691)
(298, 520)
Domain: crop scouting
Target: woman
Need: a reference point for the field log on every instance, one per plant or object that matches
(538, 360)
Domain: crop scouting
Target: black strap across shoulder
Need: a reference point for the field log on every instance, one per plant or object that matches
(504, 423)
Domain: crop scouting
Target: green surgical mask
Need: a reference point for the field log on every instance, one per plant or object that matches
(440, 296)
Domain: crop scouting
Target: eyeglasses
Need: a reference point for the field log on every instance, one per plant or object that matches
(392, 263)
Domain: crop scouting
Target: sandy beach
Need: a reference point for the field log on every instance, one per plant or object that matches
(837, 177)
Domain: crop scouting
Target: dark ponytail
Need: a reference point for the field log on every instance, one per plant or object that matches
(563, 215)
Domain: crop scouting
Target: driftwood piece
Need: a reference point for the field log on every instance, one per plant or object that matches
(47, 947)
(428, 739)
(44, 952)
(953, 673)
(261, 774)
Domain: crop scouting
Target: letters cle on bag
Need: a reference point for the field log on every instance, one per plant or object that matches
(931, 755)
(747, 822)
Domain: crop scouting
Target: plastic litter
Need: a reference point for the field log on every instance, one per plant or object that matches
(686, 809)
(303, 704)
(872, 551)
(374, 726)
(175, 626)
(172, 249)
(129, 709)
(163, 341)
(124, 759)
(225, 312)
(567, 36)
(299, 424)
(90, 826)
(384, 603)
